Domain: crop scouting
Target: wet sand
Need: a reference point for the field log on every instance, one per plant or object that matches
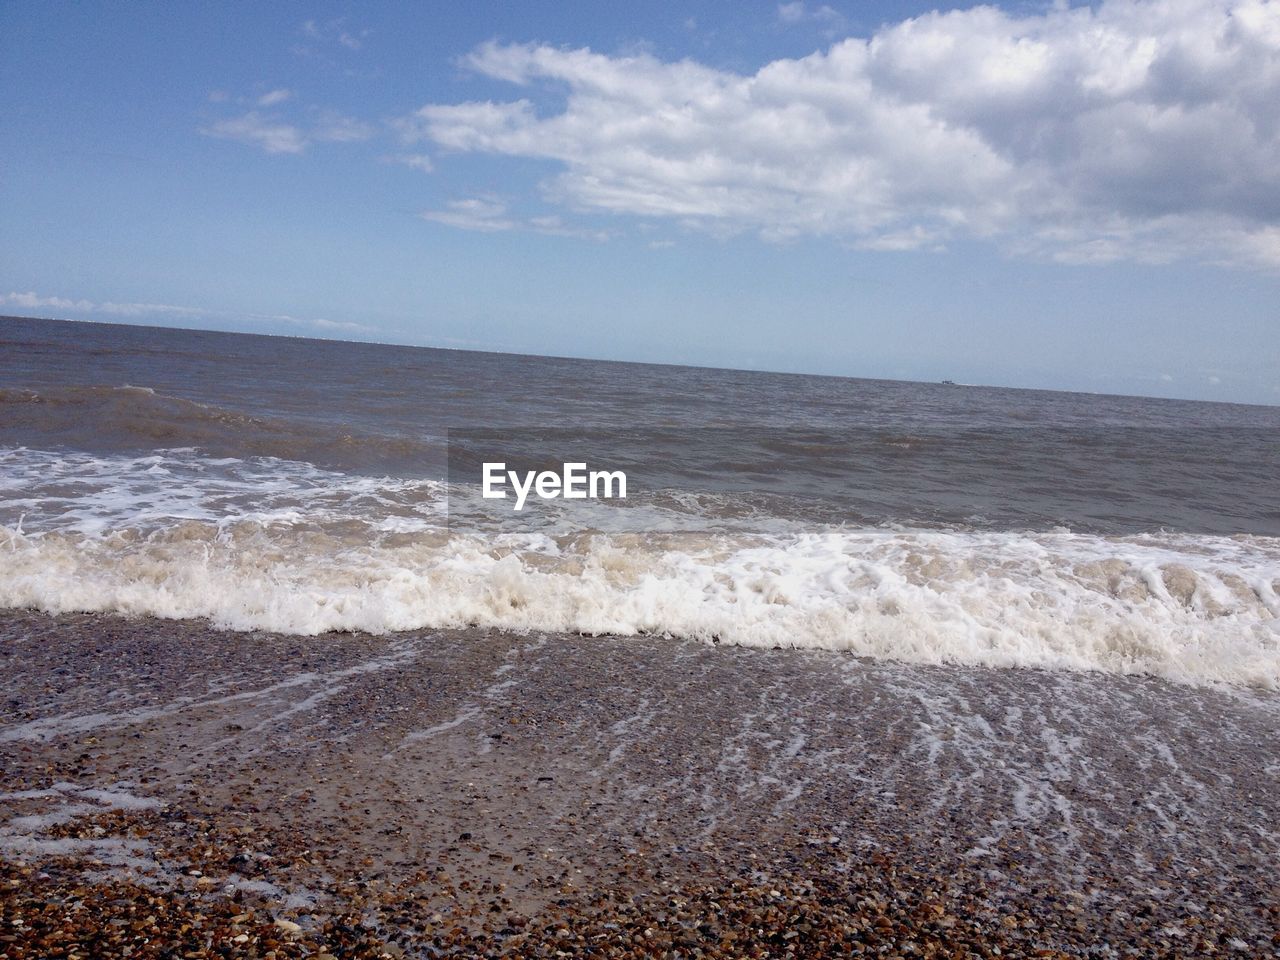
(168, 787)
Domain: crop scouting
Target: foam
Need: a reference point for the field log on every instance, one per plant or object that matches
(286, 547)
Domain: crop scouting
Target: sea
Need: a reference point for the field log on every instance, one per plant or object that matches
(305, 486)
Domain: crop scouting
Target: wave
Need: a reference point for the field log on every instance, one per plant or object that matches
(265, 544)
(1198, 611)
(136, 418)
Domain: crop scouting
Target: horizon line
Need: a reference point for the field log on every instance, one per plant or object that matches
(642, 363)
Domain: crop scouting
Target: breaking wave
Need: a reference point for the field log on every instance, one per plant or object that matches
(260, 544)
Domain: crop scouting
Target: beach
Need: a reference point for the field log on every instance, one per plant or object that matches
(170, 789)
(783, 481)
(854, 667)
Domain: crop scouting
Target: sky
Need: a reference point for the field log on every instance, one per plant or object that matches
(1040, 195)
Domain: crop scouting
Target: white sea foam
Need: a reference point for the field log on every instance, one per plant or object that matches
(256, 545)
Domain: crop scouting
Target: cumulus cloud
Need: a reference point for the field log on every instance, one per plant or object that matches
(1143, 130)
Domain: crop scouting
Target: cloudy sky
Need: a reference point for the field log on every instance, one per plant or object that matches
(1077, 197)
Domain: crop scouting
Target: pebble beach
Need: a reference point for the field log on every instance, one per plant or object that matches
(170, 790)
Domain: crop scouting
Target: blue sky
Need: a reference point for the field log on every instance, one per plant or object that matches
(1034, 195)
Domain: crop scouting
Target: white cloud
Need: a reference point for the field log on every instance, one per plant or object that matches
(318, 323)
(477, 213)
(791, 12)
(335, 31)
(799, 11)
(490, 215)
(336, 128)
(273, 136)
(418, 161)
(1144, 130)
(34, 301)
(273, 97)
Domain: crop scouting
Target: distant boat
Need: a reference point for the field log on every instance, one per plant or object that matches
(950, 382)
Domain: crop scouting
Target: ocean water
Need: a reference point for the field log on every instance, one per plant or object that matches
(305, 486)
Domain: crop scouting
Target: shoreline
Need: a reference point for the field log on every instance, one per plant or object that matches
(474, 791)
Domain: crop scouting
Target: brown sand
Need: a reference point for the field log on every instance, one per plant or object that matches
(172, 790)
